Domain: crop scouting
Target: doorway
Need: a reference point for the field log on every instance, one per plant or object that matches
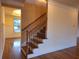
(12, 24)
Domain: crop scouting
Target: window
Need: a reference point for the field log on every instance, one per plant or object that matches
(17, 24)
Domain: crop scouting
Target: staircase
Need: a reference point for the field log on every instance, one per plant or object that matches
(35, 34)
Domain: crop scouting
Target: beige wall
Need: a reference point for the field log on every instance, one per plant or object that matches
(30, 13)
(2, 37)
(9, 27)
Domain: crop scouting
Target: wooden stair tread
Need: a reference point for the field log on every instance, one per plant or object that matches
(30, 50)
(37, 40)
(40, 33)
(26, 50)
(43, 30)
(33, 44)
(41, 36)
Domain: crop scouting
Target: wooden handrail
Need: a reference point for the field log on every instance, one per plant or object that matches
(33, 22)
(33, 28)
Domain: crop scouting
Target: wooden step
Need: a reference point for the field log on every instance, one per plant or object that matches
(42, 36)
(43, 31)
(25, 50)
(30, 50)
(37, 40)
(33, 44)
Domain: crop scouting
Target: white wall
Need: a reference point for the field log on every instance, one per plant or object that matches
(62, 25)
(61, 30)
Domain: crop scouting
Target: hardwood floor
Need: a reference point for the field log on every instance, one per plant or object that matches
(69, 53)
(13, 49)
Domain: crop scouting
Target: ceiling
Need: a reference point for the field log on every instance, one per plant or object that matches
(13, 3)
(37, 2)
(74, 3)
(20, 3)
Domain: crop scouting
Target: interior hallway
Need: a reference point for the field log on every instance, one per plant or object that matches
(13, 49)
